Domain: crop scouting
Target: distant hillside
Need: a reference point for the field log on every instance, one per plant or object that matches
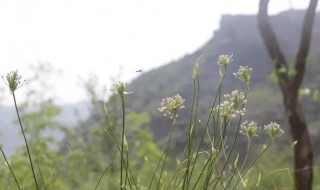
(237, 35)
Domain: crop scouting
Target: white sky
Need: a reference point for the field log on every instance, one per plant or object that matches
(81, 37)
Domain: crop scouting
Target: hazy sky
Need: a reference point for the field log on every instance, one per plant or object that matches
(80, 37)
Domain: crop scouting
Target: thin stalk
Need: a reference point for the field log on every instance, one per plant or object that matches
(166, 150)
(246, 157)
(202, 172)
(189, 138)
(235, 139)
(204, 167)
(122, 139)
(222, 145)
(112, 134)
(163, 153)
(195, 120)
(25, 140)
(126, 179)
(217, 97)
(250, 165)
(190, 144)
(102, 176)
(208, 176)
(14, 176)
(180, 181)
(42, 179)
(209, 117)
(174, 176)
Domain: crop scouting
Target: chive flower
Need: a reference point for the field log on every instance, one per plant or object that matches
(244, 74)
(249, 129)
(13, 81)
(172, 105)
(273, 129)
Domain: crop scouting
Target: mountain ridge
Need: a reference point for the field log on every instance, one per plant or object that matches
(237, 35)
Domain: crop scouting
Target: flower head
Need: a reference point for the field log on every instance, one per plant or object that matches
(273, 129)
(119, 88)
(249, 129)
(224, 60)
(13, 80)
(244, 74)
(232, 106)
(195, 73)
(171, 105)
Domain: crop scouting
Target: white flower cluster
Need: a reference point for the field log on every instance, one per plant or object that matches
(273, 129)
(232, 106)
(244, 74)
(171, 106)
(224, 60)
(249, 129)
(14, 81)
(118, 88)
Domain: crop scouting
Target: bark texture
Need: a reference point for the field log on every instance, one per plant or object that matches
(289, 85)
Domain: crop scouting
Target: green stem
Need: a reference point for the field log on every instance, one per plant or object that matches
(44, 184)
(194, 123)
(25, 140)
(207, 123)
(127, 163)
(122, 139)
(14, 176)
(245, 172)
(102, 176)
(246, 157)
(186, 175)
(235, 140)
(166, 149)
(113, 136)
(163, 153)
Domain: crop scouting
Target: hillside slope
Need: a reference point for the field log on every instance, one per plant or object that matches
(237, 35)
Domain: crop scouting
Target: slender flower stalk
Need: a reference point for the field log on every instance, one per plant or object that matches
(115, 140)
(171, 106)
(8, 164)
(241, 175)
(26, 142)
(122, 138)
(14, 82)
(165, 152)
(241, 107)
(192, 125)
(119, 88)
(105, 171)
(223, 61)
(244, 74)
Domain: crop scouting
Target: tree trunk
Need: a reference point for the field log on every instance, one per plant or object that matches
(289, 85)
(303, 155)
